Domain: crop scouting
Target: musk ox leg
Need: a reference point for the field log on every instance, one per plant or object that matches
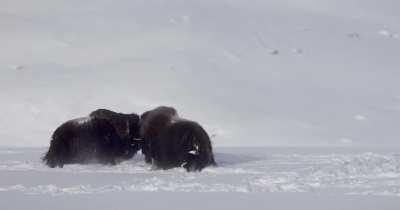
(146, 152)
(61, 146)
(130, 151)
(148, 159)
(131, 147)
(192, 164)
(56, 155)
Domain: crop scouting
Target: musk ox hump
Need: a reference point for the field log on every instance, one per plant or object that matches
(157, 119)
(117, 120)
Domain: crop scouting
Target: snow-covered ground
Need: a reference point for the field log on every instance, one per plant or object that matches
(315, 75)
(273, 72)
(353, 177)
(319, 170)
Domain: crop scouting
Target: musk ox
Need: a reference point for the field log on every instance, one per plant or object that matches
(104, 137)
(170, 141)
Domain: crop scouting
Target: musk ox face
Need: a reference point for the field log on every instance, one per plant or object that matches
(170, 141)
(104, 137)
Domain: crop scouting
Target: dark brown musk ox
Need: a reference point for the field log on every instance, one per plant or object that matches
(104, 137)
(171, 141)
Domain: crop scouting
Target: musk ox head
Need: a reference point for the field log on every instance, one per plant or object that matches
(126, 125)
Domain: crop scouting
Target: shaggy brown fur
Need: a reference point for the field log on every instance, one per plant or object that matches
(170, 141)
(97, 138)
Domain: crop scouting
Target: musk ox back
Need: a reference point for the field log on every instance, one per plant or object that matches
(170, 141)
(92, 139)
(126, 125)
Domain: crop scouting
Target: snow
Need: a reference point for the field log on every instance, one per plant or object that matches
(316, 79)
(239, 170)
(360, 117)
(82, 120)
(340, 174)
(388, 34)
(282, 73)
(182, 201)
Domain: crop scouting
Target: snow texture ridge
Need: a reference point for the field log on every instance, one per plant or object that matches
(362, 173)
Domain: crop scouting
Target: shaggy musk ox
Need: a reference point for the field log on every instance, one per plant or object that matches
(104, 136)
(170, 141)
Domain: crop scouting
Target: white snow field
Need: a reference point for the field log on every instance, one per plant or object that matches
(272, 72)
(301, 98)
(257, 178)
